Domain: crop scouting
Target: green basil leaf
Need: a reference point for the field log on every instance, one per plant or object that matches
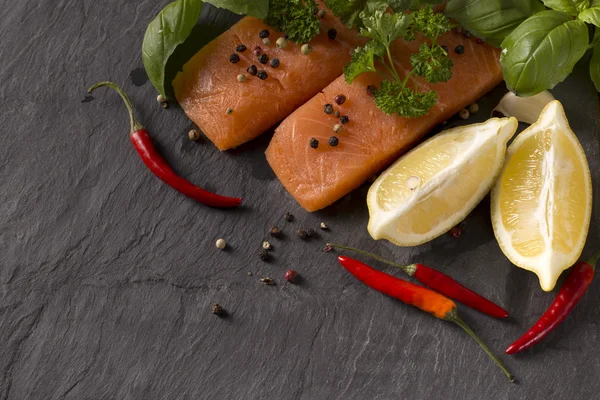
(491, 20)
(591, 16)
(595, 67)
(168, 30)
(255, 8)
(571, 7)
(542, 52)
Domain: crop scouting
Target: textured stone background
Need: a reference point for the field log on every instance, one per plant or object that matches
(107, 276)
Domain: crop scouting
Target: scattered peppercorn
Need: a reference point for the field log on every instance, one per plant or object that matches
(217, 309)
(327, 248)
(466, 34)
(314, 143)
(257, 51)
(264, 34)
(249, 273)
(328, 108)
(340, 99)
(479, 41)
(241, 78)
(275, 63)
(240, 48)
(311, 232)
(306, 49)
(474, 108)
(371, 89)
(262, 75)
(161, 99)
(458, 30)
(234, 59)
(267, 281)
(164, 105)
(332, 34)
(460, 49)
(337, 128)
(229, 111)
(266, 245)
(275, 232)
(464, 113)
(289, 217)
(445, 48)
(221, 244)
(321, 14)
(337, 114)
(252, 70)
(301, 233)
(263, 59)
(281, 43)
(264, 255)
(267, 41)
(324, 226)
(194, 135)
(344, 120)
(334, 141)
(290, 275)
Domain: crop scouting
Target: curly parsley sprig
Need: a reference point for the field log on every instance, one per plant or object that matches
(431, 62)
(297, 18)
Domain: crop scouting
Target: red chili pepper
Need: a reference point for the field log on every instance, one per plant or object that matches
(570, 293)
(143, 145)
(441, 283)
(420, 297)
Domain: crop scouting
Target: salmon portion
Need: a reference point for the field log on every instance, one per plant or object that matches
(371, 140)
(208, 85)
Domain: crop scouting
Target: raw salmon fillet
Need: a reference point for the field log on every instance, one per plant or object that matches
(208, 84)
(372, 139)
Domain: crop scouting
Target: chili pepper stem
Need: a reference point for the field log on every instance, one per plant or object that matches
(594, 260)
(453, 316)
(135, 125)
(408, 269)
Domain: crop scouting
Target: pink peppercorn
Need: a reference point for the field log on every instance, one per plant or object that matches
(290, 275)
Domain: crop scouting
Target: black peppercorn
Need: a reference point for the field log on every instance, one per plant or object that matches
(275, 232)
(217, 310)
(234, 59)
(301, 233)
(340, 99)
(275, 63)
(263, 59)
(240, 48)
(344, 119)
(460, 49)
(334, 141)
(328, 108)
(252, 70)
(466, 34)
(289, 217)
(257, 51)
(332, 33)
(371, 89)
(314, 143)
(264, 34)
(262, 75)
(264, 255)
(311, 232)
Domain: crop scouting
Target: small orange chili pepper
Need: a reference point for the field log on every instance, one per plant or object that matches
(418, 296)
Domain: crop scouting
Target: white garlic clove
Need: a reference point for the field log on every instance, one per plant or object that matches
(524, 109)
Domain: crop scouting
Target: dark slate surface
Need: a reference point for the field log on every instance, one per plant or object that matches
(107, 276)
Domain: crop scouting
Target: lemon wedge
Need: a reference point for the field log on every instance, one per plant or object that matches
(542, 202)
(436, 185)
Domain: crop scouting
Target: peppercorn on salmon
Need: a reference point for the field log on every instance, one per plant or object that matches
(371, 139)
(208, 85)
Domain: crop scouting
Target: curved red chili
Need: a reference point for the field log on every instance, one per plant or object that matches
(441, 283)
(143, 145)
(418, 296)
(570, 293)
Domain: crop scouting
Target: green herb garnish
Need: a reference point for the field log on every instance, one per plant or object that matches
(297, 18)
(397, 95)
